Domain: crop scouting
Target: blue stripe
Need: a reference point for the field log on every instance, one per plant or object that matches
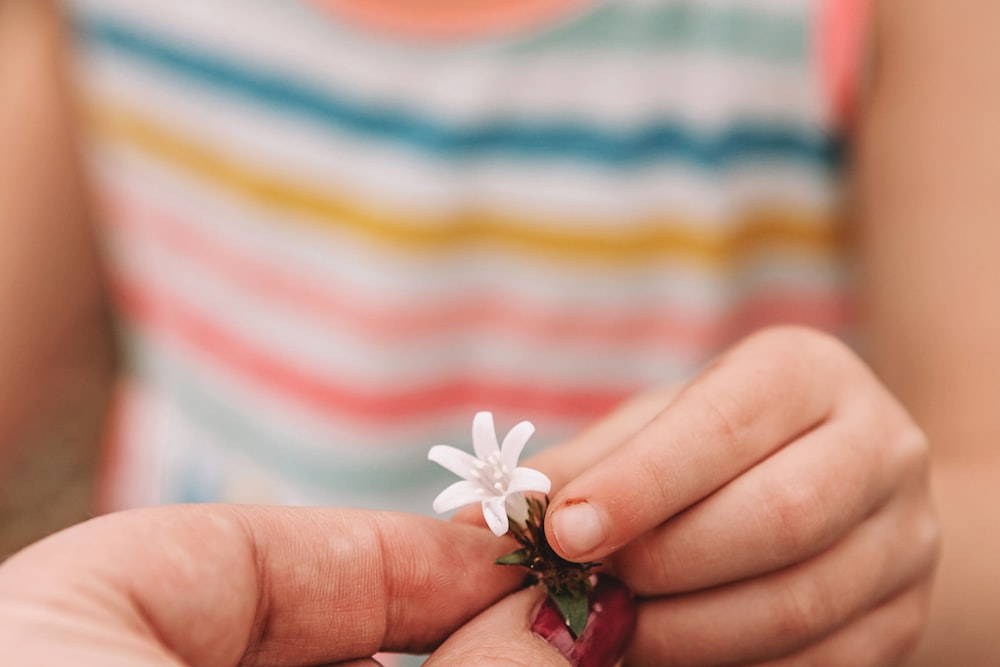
(659, 140)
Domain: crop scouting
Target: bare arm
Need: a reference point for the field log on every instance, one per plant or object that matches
(50, 288)
(930, 180)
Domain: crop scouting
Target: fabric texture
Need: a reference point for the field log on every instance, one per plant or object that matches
(331, 245)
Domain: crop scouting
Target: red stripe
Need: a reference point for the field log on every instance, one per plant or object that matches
(337, 308)
(207, 335)
(197, 332)
(321, 393)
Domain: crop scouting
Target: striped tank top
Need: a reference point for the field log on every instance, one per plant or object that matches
(335, 230)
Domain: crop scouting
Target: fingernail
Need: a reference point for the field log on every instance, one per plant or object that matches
(579, 528)
(610, 625)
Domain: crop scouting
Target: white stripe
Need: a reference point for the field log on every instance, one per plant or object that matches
(364, 360)
(317, 345)
(334, 256)
(550, 193)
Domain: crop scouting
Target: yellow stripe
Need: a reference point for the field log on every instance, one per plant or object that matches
(813, 235)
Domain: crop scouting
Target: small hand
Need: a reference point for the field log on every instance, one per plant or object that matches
(776, 511)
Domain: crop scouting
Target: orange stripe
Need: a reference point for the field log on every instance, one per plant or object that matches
(813, 235)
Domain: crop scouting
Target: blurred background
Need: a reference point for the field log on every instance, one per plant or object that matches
(47, 483)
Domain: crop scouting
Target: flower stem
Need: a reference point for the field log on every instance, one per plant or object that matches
(568, 584)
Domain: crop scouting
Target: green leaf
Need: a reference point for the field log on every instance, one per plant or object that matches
(574, 607)
(518, 557)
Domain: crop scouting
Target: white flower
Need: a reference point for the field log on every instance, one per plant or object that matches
(491, 477)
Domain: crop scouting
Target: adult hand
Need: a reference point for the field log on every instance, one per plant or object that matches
(225, 585)
(776, 511)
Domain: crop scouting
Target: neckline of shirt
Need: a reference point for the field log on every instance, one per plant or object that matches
(456, 22)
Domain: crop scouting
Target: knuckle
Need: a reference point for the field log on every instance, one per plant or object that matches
(928, 540)
(804, 612)
(900, 638)
(935, 542)
(798, 354)
(729, 418)
(791, 512)
(911, 628)
(904, 451)
(913, 445)
(657, 479)
(786, 337)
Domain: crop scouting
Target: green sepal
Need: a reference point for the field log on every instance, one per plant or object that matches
(517, 557)
(574, 607)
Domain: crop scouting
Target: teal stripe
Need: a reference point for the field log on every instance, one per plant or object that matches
(682, 27)
(659, 140)
(333, 471)
(378, 475)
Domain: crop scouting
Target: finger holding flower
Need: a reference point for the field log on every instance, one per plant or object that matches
(586, 617)
(776, 511)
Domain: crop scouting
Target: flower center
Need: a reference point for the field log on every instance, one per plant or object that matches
(492, 475)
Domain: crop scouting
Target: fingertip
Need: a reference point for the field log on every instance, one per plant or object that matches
(578, 529)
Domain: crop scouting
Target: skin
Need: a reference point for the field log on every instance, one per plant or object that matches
(50, 280)
(226, 585)
(840, 500)
(779, 507)
(759, 489)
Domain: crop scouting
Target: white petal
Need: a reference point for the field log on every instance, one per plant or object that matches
(484, 436)
(526, 479)
(514, 444)
(495, 513)
(517, 508)
(457, 495)
(455, 460)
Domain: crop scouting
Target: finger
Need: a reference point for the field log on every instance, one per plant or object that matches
(783, 612)
(285, 585)
(787, 509)
(566, 460)
(882, 637)
(753, 401)
(500, 636)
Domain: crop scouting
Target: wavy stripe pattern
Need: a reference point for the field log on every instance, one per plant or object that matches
(649, 242)
(691, 331)
(308, 320)
(657, 140)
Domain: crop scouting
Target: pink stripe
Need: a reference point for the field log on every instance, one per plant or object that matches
(340, 307)
(450, 19)
(197, 332)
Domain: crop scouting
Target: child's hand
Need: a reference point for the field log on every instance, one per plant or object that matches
(776, 511)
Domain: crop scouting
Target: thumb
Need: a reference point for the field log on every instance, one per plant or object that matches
(526, 629)
(501, 635)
